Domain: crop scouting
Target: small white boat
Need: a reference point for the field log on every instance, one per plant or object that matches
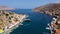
(27, 20)
(47, 28)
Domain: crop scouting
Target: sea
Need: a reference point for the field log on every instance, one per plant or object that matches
(37, 25)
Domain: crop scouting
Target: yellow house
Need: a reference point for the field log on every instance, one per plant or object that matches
(1, 31)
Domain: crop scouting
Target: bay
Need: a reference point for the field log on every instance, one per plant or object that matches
(37, 25)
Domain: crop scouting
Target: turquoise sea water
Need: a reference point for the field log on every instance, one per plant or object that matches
(36, 26)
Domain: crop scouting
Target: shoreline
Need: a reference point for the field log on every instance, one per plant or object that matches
(8, 31)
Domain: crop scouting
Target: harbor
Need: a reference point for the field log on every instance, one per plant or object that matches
(53, 10)
(54, 27)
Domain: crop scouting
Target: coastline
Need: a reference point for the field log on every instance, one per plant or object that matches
(14, 26)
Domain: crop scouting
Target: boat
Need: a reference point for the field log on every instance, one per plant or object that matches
(27, 20)
(47, 28)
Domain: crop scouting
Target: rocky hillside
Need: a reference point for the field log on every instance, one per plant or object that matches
(51, 9)
(5, 18)
(6, 8)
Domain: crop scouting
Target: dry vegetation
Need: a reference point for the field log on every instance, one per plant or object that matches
(5, 18)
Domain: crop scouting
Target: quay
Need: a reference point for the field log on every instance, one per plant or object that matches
(54, 26)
